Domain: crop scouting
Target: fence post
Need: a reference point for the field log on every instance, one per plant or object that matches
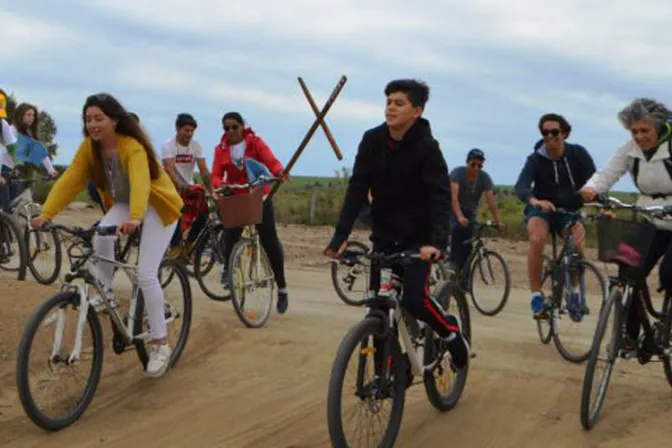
(313, 204)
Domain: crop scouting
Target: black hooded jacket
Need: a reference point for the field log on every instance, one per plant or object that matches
(410, 187)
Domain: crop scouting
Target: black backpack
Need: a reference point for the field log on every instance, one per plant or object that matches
(668, 166)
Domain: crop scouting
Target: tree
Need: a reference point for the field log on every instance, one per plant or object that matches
(48, 131)
(11, 107)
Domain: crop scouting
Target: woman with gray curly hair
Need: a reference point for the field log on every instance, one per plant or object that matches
(648, 159)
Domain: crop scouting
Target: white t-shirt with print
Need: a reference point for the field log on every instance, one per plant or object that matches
(8, 138)
(185, 157)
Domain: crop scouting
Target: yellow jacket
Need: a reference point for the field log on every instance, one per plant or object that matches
(160, 193)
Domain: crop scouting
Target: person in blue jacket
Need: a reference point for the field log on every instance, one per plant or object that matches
(551, 178)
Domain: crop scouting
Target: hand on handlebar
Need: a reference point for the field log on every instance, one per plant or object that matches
(545, 206)
(38, 222)
(464, 222)
(338, 253)
(429, 253)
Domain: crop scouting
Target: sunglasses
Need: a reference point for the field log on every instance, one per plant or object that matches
(553, 132)
(229, 128)
(476, 164)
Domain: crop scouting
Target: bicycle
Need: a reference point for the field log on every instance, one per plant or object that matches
(479, 256)
(562, 270)
(626, 242)
(356, 263)
(24, 208)
(248, 257)
(382, 329)
(12, 243)
(129, 330)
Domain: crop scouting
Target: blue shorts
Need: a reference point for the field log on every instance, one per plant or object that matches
(556, 221)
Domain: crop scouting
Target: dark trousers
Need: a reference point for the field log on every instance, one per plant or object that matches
(268, 237)
(460, 252)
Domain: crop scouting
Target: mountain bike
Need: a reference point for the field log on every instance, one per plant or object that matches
(12, 243)
(482, 261)
(64, 352)
(626, 243)
(37, 241)
(353, 266)
(248, 267)
(375, 341)
(567, 304)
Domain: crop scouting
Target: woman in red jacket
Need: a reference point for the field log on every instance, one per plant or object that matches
(240, 142)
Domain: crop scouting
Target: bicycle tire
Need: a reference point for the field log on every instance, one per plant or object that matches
(22, 364)
(178, 348)
(588, 416)
(58, 257)
(359, 247)
(507, 283)
(8, 222)
(667, 334)
(557, 337)
(350, 343)
(214, 238)
(545, 335)
(236, 298)
(445, 403)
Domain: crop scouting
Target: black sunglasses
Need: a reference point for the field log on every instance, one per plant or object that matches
(553, 132)
(228, 128)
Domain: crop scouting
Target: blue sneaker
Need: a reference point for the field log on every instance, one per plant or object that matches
(538, 305)
(283, 301)
(574, 308)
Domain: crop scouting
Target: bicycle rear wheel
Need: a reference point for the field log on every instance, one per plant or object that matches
(12, 244)
(666, 336)
(492, 270)
(594, 393)
(350, 268)
(53, 315)
(370, 402)
(39, 242)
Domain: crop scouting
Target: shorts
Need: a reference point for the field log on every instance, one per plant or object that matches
(556, 221)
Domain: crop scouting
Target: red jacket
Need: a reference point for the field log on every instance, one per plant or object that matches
(225, 172)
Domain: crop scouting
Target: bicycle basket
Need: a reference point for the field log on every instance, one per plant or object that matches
(623, 240)
(241, 209)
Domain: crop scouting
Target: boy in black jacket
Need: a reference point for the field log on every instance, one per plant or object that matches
(552, 176)
(403, 166)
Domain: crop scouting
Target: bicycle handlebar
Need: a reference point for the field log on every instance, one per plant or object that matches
(403, 257)
(610, 202)
(80, 232)
(256, 182)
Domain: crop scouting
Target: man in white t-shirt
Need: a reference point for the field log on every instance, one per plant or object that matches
(180, 155)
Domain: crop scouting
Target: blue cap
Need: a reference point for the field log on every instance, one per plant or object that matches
(476, 154)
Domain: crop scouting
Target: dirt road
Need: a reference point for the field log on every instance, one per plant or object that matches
(236, 387)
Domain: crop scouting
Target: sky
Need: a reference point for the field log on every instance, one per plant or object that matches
(494, 67)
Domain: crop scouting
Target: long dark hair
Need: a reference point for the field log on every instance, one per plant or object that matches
(20, 126)
(126, 125)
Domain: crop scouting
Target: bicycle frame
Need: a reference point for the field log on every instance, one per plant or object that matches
(564, 258)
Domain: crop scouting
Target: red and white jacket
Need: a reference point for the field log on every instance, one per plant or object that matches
(224, 171)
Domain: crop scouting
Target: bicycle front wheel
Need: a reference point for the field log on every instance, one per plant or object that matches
(489, 282)
(12, 244)
(352, 268)
(373, 407)
(252, 282)
(52, 352)
(601, 360)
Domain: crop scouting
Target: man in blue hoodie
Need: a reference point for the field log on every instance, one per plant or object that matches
(550, 179)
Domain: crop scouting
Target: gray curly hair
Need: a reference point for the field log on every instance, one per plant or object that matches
(645, 109)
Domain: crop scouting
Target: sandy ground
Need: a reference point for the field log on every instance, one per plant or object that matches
(236, 387)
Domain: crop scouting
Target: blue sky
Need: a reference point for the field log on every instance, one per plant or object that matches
(494, 68)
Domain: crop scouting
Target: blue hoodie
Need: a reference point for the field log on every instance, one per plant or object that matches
(557, 181)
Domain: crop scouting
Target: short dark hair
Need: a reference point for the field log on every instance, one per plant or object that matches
(564, 124)
(233, 116)
(417, 91)
(183, 120)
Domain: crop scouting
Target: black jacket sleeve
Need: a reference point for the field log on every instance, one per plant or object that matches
(437, 182)
(356, 194)
(588, 164)
(523, 186)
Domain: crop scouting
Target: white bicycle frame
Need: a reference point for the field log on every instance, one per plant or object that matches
(83, 293)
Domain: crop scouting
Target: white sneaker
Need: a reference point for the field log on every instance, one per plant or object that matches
(98, 303)
(159, 356)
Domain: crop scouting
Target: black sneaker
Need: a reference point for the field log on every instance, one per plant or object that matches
(283, 302)
(457, 345)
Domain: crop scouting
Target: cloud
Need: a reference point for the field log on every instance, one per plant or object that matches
(28, 35)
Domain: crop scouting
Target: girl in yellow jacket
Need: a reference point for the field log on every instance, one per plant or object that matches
(118, 157)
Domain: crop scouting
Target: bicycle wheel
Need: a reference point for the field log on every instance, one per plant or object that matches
(52, 314)
(210, 280)
(589, 408)
(353, 265)
(249, 273)
(573, 333)
(177, 309)
(490, 267)
(666, 336)
(544, 329)
(453, 301)
(12, 244)
(366, 399)
(41, 242)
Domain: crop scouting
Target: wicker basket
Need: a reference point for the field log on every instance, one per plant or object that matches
(624, 238)
(241, 209)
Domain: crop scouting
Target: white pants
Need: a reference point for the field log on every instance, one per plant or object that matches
(153, 244)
